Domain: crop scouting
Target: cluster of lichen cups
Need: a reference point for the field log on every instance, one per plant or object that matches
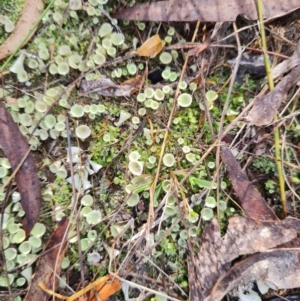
(18, 250)
(62, 57)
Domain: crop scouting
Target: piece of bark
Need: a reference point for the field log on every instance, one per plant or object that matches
(205, 10)
(249, 198)
(15, 148)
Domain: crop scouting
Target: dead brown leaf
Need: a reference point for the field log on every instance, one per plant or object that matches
(244, 236)
(265, 107)
(251, 201)
(205, 11)
(49, 264)
(15, 148)
(31, 12)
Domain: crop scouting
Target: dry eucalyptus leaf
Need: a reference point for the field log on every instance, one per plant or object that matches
(251, 201)
(15, 147)
(264, 107)
(244, 236)
(31, 12)
(106, 87)
(205, 11)
(151, 47)
(279, 267)
(49, 264)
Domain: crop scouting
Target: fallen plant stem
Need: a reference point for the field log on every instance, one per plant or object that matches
(193, 45)
(278, 158)
(27, 36)
(225, 108)
(75, 200)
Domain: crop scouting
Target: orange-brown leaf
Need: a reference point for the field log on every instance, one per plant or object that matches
(106, 287)
(151, 47)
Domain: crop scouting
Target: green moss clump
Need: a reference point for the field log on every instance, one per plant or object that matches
(265, 165)
(62, 193)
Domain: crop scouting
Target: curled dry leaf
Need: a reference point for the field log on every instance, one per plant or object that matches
(279, 267)
(106, 87)
(251, 201)
(205, 11)
(151, 47)
(15, 149)
(49, 263)
(31, 12)
(264, 107)
(244, 236)
(288, 64)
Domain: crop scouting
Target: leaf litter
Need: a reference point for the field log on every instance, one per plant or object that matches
(210, 273)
